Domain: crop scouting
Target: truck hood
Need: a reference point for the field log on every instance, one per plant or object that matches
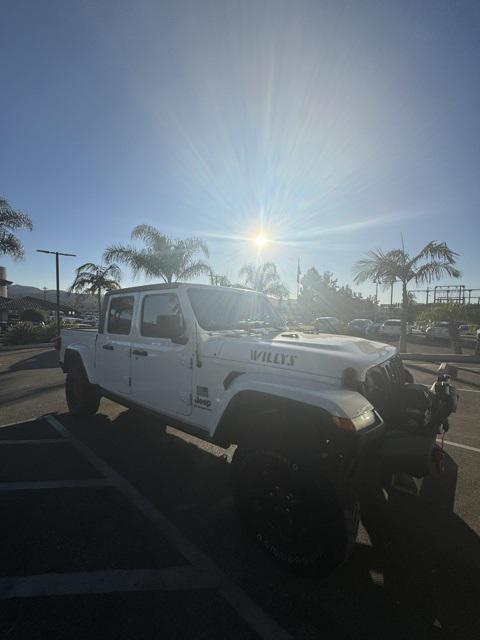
(322, 354)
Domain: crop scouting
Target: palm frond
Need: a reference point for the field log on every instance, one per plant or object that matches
(10, 245)
(130, 256)
(435, 270)
(436, 251)
(13, 219)
(152, 237)
(247, 272)
(194, 270)
(378, 266)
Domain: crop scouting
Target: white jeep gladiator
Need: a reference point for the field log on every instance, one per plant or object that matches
(311, 414)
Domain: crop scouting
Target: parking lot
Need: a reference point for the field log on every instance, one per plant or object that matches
(115, 528)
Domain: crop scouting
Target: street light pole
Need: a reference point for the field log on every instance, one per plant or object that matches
(57, 270)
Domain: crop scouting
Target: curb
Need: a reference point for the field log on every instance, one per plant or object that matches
(22, 347)
(440, 357)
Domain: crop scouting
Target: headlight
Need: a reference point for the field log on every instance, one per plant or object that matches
(355, 424)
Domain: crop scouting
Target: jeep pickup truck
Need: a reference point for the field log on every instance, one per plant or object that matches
(308, 413)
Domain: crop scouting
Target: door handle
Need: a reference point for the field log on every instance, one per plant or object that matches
(140, 352)
(108, 347)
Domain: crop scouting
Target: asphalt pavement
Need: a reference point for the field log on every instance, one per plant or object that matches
(114, 527)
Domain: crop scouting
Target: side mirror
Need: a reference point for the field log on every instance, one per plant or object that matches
(176, 329)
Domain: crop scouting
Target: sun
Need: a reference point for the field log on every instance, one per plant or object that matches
(260, 240)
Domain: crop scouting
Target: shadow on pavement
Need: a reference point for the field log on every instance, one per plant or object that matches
(42, 360)
(426, 585)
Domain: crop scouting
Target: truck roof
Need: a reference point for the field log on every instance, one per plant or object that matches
(174, 285)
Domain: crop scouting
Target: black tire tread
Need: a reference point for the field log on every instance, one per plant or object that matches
(88, 402)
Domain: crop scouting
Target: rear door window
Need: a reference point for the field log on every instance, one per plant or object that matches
(120, 314)
(159, 314)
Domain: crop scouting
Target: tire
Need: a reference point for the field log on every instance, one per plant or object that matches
(292, 512)
(82, 397)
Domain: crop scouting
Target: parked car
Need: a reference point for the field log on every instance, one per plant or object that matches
(329, 324)
(374, 329)
(309, 414)
(360, 326)
(393, 328)
(438, 331)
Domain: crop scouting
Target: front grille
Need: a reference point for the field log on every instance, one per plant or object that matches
(382, 384)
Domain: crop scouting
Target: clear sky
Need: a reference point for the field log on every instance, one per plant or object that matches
(334, 125)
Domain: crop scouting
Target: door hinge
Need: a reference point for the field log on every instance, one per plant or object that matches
(129, 381)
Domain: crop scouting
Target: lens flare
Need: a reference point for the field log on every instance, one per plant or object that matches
(260, 241)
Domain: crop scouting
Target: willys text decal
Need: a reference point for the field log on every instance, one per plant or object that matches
(273, 358)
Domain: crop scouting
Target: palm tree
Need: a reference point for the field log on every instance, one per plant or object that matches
(264, 278)
(10, 221)
(94, 279)
(433, 262)
(162, 257)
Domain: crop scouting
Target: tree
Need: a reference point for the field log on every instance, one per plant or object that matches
(94, 279)
(32, 315)
(172, 260)
(11, 220)
(433, 262)
(321, 295)
(264, 278)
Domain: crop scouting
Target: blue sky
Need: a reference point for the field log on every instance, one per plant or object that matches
(336, 126)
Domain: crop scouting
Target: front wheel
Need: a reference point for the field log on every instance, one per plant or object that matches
(292, 512)
(82, 397)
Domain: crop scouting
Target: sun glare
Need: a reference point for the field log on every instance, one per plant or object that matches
(260, 241)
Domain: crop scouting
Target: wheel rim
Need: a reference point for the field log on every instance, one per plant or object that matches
(284, 512)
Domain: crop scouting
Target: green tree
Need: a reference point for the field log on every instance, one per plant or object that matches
(32, 315)
(94, 279)
(264, 278)
(321, 295)
(10, 221)
(433, 262)
(172, 260)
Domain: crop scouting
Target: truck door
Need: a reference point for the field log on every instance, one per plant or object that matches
(113, 361)
(161, 358)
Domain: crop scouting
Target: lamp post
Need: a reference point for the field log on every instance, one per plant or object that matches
(57, 269)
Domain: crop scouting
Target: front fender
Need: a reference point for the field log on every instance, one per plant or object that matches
(82, 354)
(336, 401)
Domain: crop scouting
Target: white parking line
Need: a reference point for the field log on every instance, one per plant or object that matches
(462, 446)
(35, 441)
(116, 581)
(53, 484)
(253, 615)
(470, 390)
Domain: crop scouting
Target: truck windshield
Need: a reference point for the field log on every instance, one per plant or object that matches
(220, 310)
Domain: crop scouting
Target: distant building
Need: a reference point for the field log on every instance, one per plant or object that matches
(14, 306)
(17, 305)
